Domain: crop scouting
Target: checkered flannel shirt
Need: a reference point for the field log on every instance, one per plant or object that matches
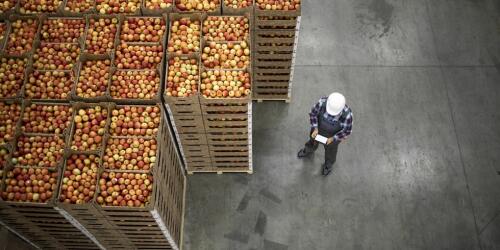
(345, 124)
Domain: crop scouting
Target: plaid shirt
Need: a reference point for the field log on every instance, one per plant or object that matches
(346, 123)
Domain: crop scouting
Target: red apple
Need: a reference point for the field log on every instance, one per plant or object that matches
(46, 118)
(49, 85)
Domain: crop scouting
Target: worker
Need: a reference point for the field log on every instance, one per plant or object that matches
(330, 118)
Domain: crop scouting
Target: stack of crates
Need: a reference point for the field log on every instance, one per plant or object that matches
(275, 45)
(214, 134)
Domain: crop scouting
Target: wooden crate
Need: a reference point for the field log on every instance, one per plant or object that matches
(224, 105)
(277, 19)
(159, 224)
(43, 224)
(227, 10)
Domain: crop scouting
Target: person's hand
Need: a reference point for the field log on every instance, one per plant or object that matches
(314, 133)
(329, 141)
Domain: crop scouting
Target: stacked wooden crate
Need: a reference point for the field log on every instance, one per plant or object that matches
(96, 75)
(213, 125)
(275, 45)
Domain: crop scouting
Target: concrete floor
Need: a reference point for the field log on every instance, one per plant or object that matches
(421, 170)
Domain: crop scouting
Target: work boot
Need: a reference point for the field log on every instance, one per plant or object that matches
(327, 169)
(302, 153)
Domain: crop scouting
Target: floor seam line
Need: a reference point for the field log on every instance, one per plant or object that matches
(471, 203)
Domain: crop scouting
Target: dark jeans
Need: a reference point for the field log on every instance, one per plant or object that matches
(330, 150)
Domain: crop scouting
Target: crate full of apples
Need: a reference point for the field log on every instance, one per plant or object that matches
(184, 34)
(203, 6)
(10, 118)
(93, 74)
(88, 128)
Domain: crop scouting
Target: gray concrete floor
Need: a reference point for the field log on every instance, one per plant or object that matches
(421, 170)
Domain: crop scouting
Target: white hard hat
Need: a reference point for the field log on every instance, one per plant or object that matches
(335, 103)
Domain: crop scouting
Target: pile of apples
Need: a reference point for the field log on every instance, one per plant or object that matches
(7, 5)
(56, 56)
(157, 4)
(79, 6)
(130, 154)
(30, 185)
(237, 4)
(79, 182)
(38, 151)
(185, 36)
(135, 121)
(231, 55)
(126, 84)
(138, 56)
(144, 29)
(12, 76)
(21, 36)
(118, 6)
(197, 5)
(3, 28)
(49, 85)
(93, 79)
(101, 35)
(46, 119)
(62, 30)
(226, 28)
(225, 84)
(125, 189)
(4, 156)
(90, 126)
(278, 4)
(9, 115)
(182, 77)
(38, 6)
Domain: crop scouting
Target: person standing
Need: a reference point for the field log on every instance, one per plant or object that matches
(330, 118)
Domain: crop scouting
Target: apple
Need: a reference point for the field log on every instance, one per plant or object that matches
(7, 5)
(62, 30)
(225, 84)
(226, 28)
(101, 35)
(182, 77)
(30, 185)
(93, 79)
(39, 6)
(79, 180)
(56, 56)
(38, 151)
(185, 36)
(237, 4)
(143, 29)
(9, 116)
(197, 5)
(46, 118)
(3, 28)
(230, 55)
(118, 6)
(278, 4)
(157, 4)
(138, 56)
(21, 36)
(79, 6)
(130, 154)
(53, 85)
(135, 121)
(12, 76)
(137, 84)
(125, 189)
(89, 128)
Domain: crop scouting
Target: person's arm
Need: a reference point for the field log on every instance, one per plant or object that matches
(346, 128)
(313, 115)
